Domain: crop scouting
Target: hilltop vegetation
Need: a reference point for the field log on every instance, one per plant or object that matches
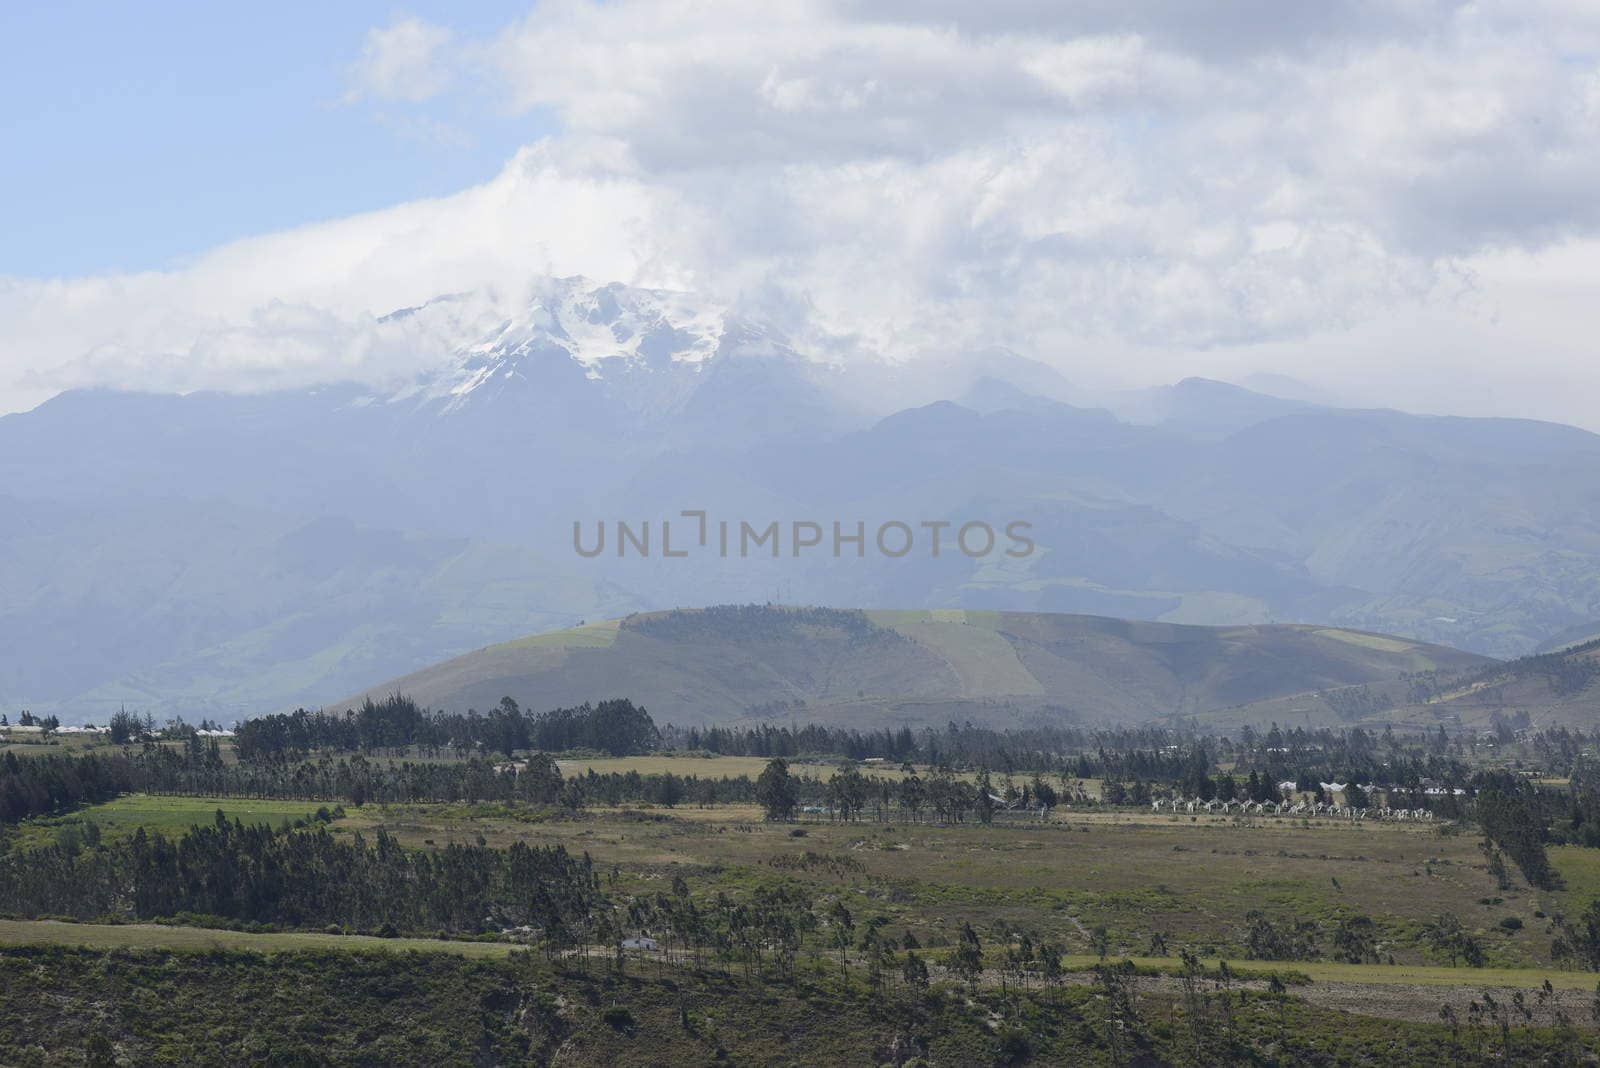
(723, 664)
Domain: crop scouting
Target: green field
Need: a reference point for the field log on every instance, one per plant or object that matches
(150, 935)
(169, 815)
(589, 636)
(54, 745)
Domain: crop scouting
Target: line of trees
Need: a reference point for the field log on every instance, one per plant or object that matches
(53, 785)
(49, 785)
(1514, 818)
(302, 879)
(617, 726)
(1156, 754)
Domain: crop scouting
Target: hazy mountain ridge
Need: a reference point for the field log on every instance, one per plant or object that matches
(589, 402)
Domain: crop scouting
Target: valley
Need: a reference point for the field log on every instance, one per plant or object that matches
(232, 554)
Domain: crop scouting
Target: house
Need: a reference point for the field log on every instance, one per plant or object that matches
(640, 942)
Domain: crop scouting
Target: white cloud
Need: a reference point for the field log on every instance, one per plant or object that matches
(1385, 198)
(225, 320)
(404, 60)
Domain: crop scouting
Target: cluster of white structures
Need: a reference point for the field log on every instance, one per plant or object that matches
(1289, 808)
(35, 731)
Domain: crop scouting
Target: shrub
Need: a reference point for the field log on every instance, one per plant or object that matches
(1015, 1046)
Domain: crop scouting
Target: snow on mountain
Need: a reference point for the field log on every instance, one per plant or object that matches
(572, 346)
(613, 332)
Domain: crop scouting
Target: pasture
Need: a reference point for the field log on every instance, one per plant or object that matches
(169, 815)
(173, 936)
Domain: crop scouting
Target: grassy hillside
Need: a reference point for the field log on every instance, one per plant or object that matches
(752, 662)
(1545, 690)
(1559, 687)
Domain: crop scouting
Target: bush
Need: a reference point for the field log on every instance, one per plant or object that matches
(618, 1017)
(1015, 1046)
(1511, 923)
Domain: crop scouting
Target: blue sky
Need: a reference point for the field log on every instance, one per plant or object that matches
(137, 135)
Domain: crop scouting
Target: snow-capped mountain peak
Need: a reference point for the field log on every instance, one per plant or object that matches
(611, 331)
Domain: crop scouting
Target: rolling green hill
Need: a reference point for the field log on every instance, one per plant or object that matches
(724, 664)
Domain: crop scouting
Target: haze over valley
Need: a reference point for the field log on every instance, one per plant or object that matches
(223, 555)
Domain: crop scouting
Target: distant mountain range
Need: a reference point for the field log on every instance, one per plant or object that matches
(221, 555)
(753, 663)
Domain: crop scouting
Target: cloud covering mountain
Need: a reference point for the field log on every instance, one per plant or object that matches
(1380, 198)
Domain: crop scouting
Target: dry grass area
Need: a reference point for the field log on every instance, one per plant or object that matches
(718, 767)
(1136, 874)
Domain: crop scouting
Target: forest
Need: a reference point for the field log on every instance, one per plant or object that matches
(230, 872)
